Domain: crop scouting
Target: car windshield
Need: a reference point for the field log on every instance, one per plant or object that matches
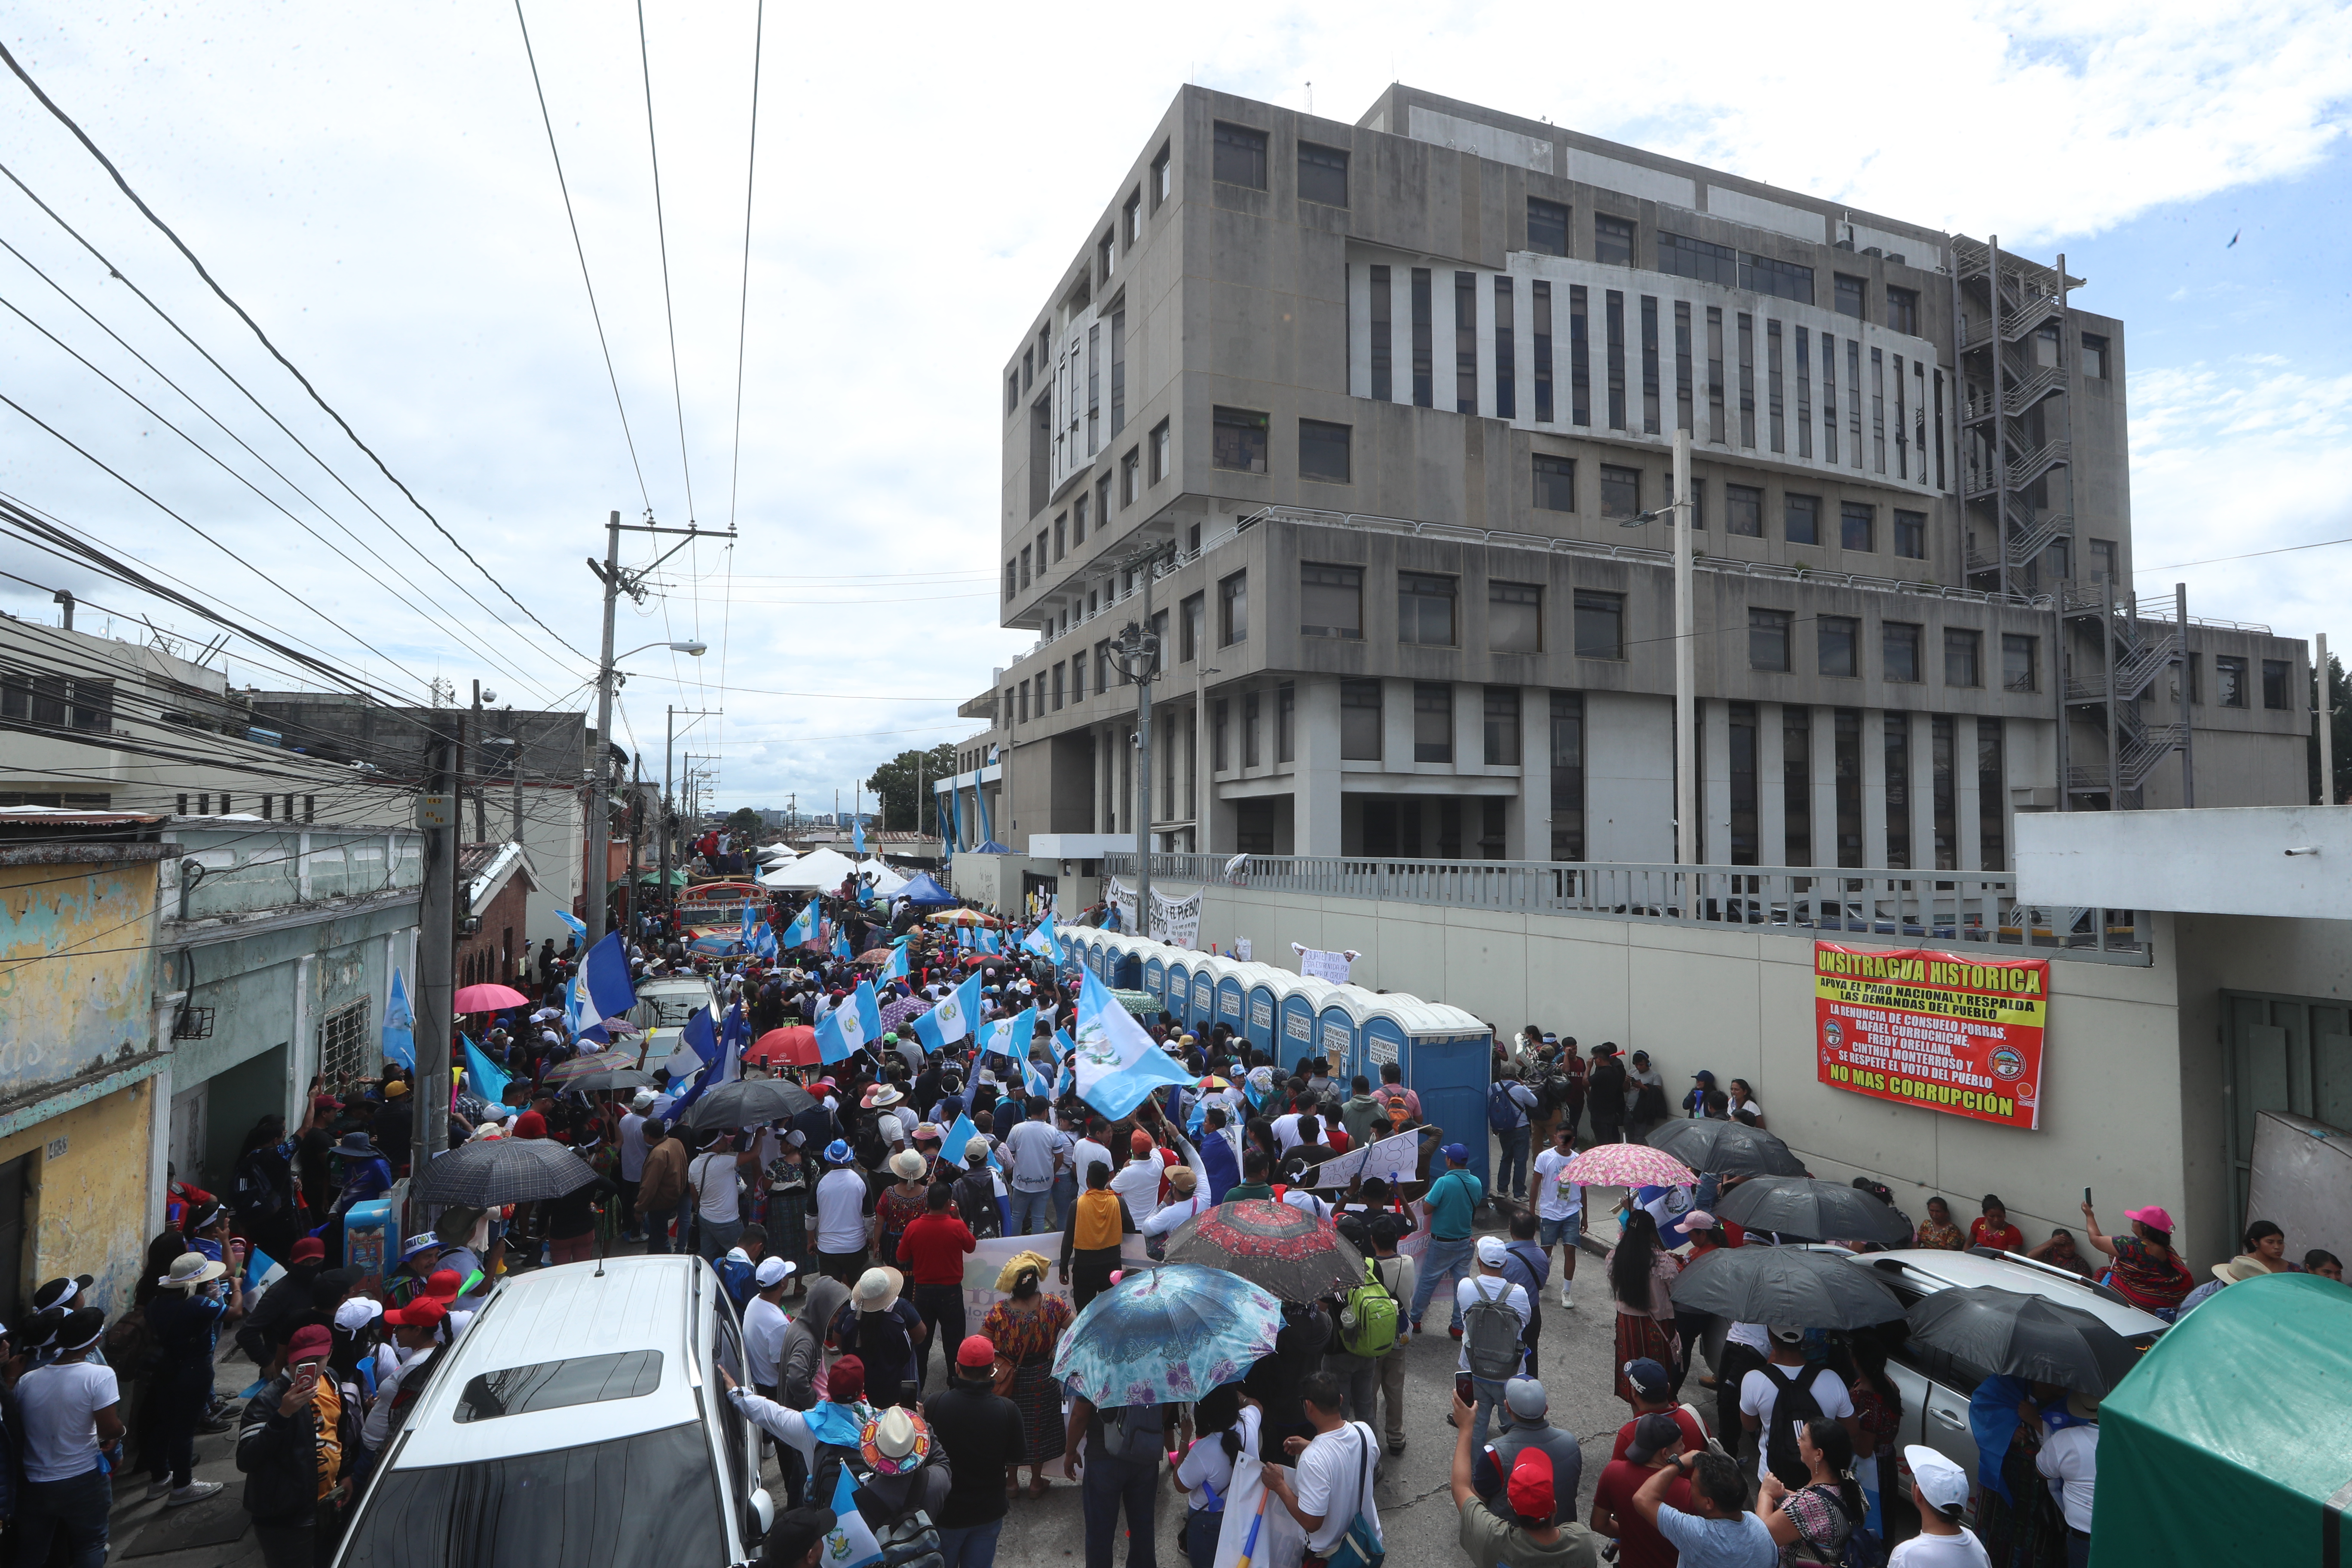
(568, 1508)
(678, 1007)
(549, 1384)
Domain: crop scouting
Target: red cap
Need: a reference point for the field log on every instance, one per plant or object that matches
(310, 1342)
(442, 1285)
(425, 1312)
(845, 1384)
(1530, 1489)
(309, 1249)
(977, 1350)
(1140, 1142)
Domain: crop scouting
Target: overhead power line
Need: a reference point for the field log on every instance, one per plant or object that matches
(149, 213)
(661, 233)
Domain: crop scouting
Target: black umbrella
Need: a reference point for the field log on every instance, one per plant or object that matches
(1786, 1285)
(749, 1101)
(1726, 1148)
(486, 1171)
(1817, 1211)
(608, 1078)
(2015, 1336)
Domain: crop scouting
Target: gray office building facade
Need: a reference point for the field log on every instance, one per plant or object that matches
(1399, 399)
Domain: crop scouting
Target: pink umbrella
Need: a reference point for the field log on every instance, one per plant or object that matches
(488, 999)
(1627, 1166)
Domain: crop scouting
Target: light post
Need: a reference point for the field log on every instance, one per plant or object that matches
(1685, 731)
(600, 826)
(1135, 653)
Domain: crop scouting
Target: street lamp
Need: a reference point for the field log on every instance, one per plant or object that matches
(600, 828)
(1135, 654)
(1685, 732)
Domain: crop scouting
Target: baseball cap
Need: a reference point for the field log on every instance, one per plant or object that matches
(1491, 1251)
(2153, 1216)
(1526, 1398)
(977, 1350)
(1653, 1434)
(357, 1313)
(1529, 1488)
(773, 1272)
(310, 1342)
(1456, 1154)
(309, 1249)
(795, 1530)
(975, 1148)
(425, 1312)
(1649, 1379)
(1942, 1484)
(1787, 1335)
(442, 1284)
(1703, 1076)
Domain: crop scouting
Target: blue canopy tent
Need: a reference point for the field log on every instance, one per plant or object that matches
(989, 846)
(921, 891)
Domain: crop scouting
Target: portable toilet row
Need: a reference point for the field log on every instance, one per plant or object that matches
(1444, 1053)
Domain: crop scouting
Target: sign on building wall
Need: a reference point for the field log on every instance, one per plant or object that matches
(1956, 1034)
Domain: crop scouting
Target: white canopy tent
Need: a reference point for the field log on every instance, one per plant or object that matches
(776, 853)
(886, 880)
(819, 869)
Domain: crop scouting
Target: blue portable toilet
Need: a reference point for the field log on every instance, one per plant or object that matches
(1123, 963)
(1204, 993)
(1445, 1055)
(1262, 1001)
(1155, 977)
(1294, 1011)
(1337, 1032)
(1178, 998)
(1232, 1012)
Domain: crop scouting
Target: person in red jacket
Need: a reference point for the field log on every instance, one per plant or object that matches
(933, 1248)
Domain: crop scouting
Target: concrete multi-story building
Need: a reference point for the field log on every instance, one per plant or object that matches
(1400, 397)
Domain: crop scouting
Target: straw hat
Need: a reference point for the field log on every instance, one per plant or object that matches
(191, 1269)
(895, 1441)
(1021, 1262)
(878, 1290)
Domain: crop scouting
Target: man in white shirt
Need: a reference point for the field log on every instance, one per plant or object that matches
(1185, 1202)
(1940, 1489)
(2069, 1461)
(1759, 1394)
(1560, 1204)
(1091, 1150)
(1490, 1285)
(1286, 1131)
(1036, 1149)
(1138, 1181)
(632, 1159)
(763, 1325)
(1337, 1469)
(841, 1216)
(70, 1411)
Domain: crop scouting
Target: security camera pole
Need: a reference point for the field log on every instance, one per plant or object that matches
(1135, 653)
(616, 582)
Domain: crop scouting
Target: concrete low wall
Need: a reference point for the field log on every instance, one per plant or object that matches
(1740, 1003)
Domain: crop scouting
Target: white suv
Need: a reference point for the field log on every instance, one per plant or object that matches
(1935, 1384)
(579, 1422)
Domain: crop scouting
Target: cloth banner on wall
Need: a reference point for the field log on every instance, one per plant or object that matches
(1956, 1034)
(1176, 921)
(1318, 964)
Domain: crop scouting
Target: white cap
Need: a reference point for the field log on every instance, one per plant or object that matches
(357, 1313)
(1491, 1251)
(773, 1272)
(1943, 1484)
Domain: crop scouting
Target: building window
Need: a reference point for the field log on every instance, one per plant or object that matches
(1323, 451)
(1897, 739)
(1078, 512)
(2103, 560)
(1775, 402)
(1191, 625)
(2230, 680)
(1502, 726)
(1854, 519)
(1683, 388)
(1568, 775)
(1129, 476)
(1028, 366)
(1555, 483)
(1992, 790)
(1507, 359)
(1767, 639)
(1384, 337)
(2095, 358)
(1743, 511)
(2017, 662)
(1424, 353)
(1024, 702)
(1285, 722)
(1846, 783)
(1544, 405)
(1650, 414)
(1898, 649)
(1233, 610)
(1878, 408)
(345, 1055)
(1433, 722)
(1425, 609)
(1579, 358)
(1716, 430)
(1249, 729)
(1078, 676)
(1801, 518)
(1547, 227)
(1836, 634)
(1238, 442)
(1024, 567)
(1514, 617)
(2276, 677)
(1784, 280)
(1322, 174)
(1804, 393)
(1159, 451)
(1911, 535)
(1599, 624)
(1742, 771)
(1849, 292)
(2046, 347)
(1615, 326)
(1963, 657)
(1902, 310)
(1160, 179)
(1330, 601)
(1697, 259)
(1106, 258)
(1746, 379)
(1012, 392)
(1057, 688)
(1621, 491)
(1102, 667)
(1943, 792)
(1465, 342)
(1133, 215)
(1240, 156)
(1117, 371)
(1612, 240)
(1360, 720)
(1796, 786)
(1062, 531)
(1012, 579)
(1220, 713)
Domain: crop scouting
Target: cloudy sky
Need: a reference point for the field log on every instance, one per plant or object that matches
(375, 187)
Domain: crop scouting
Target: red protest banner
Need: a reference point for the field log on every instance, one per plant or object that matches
(1962, 1036)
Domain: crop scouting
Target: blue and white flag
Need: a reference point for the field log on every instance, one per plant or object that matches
(852, 1026)
(896, 969)
(700, 1038)
(1062, 1044)
(734, 1034)
(1036, 1079)
(841, 944)
(857, 835)
(483, 1078)
(1043, 943)
(1117, 1064)
(1010, 1037)
(949, 1021)
(961, 1132)
(850, 1543)
(579, 927)
(601, 990)
(759, 936)
(399, 1025)
(801, 932)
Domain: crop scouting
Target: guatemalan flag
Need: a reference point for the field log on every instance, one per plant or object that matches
(1043, 943)
(1116, 1064)
(759, 936)
(897, 968)
(601, 990)
(801, 932)
(1010, 1037)
(850, 1542)
(950, 1021)
(840, 945)
(699, 1042)
(851, 1026)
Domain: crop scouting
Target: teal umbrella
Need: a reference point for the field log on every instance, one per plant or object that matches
(1167, 1334)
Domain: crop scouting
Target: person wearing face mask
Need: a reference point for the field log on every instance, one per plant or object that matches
(185, 1317)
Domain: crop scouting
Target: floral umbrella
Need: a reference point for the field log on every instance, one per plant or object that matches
(1166, 1335)
(963, 918)
(1627, 1166)
(904, 1011)
(1286, 1251)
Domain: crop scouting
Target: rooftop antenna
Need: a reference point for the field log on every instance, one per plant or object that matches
(1311, 98)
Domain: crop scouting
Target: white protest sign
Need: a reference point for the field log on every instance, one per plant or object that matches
(1318, 964)
(1393, 1160)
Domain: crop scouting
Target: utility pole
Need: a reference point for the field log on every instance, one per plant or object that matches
(669, 721)
(2326, 723)
(616, 583)
(637, 826)
(1136, 654)
(1686, 702)
(439, 810)
(514, 755)
(481, 740)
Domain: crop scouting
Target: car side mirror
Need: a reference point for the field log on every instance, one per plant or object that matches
(763, 1509)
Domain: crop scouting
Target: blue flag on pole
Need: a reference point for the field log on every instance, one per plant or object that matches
(483, 1078)
(399, 1025)
(959, 1134)
(1116, 1064)
(801, 932)
(949, 1021)
(579, 927)
(896, 969)
(857, 835)
(850, 1542)
(840, 945)
(703, 1038)
(602, 989)
(850, 1027)
(1043, 943)
(759, 936)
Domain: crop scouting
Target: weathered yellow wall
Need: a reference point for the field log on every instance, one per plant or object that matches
(76, 968)
(85, 1209)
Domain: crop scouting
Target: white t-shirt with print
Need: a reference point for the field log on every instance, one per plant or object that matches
(1555, 1199)
(1333, 1480)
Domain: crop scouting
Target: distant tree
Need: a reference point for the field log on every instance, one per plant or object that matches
(899, 782)
(2339, 724)
(745, 825)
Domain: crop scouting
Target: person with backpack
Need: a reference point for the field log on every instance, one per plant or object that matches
(1494, 1314)
(1395, 1273)
(1783, 1392)
(1365, 1315)
(1124, 1447)
(1528, 1410)
(1228, 1425)
(1509, 1104)
(1813, 1522)
(1526, 1264)
(1330, 1493)
(1452, 1200)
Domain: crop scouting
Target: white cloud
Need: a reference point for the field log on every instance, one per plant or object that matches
(375, 187)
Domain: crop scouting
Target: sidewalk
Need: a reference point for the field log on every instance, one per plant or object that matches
(213, 1533)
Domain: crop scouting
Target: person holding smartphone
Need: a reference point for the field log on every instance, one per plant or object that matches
(297, 1447)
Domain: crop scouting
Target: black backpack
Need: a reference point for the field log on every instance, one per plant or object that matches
(1792, 1401)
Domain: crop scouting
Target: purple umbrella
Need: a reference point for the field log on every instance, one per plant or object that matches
(904, 1011)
